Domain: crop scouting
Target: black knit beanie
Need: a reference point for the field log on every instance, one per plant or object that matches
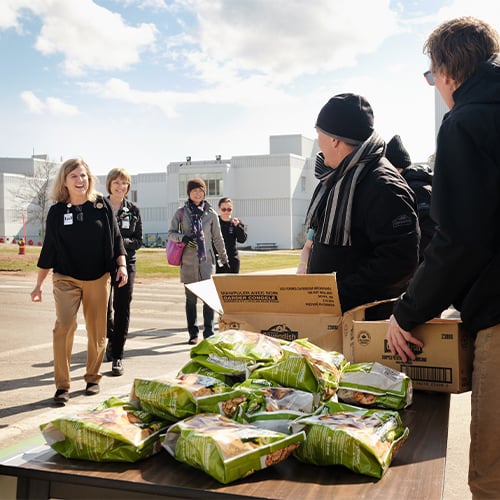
(397, 154)
(347, 116)
(196, 183)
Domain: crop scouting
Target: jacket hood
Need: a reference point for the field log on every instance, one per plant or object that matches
(417, 172)
(481, 88)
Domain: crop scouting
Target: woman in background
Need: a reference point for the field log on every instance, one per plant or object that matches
(233, 231)
(129, 221)
(82, 246)
(197, 225)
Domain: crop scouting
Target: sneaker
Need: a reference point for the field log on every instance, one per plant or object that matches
(92, 389)
(61, 396)
(117, 367)
(108, 356)
(193, 341)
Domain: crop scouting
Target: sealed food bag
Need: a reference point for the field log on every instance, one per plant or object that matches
(236, 352)
(113, 432)
(175, 398)
(193, 367)
(227, 450)
(273, 407)
(363, 440)
(375, 385)
(307, 367)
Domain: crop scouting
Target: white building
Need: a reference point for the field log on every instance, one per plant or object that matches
(270, 192)
(18, 202)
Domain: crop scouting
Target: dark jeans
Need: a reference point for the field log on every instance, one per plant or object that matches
(191, 316)
(119, 311)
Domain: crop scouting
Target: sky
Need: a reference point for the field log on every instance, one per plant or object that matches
(141, 83)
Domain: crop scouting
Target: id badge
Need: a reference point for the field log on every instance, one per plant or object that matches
(68, 219)
(125, 223)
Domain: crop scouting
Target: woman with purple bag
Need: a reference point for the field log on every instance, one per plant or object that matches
(197, 225)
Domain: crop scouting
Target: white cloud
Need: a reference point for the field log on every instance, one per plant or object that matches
(86, 35)
(51, 105)
(288, 38)
(34, 104)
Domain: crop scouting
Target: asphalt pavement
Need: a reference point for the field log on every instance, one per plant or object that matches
(157, 346)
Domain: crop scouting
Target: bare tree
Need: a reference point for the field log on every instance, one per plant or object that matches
(34, 191)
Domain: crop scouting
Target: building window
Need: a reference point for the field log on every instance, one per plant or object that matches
(132, 196)
(303, 183)
(213, 180)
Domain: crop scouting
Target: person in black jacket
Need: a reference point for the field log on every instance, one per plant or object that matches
(419, 178)
(233, 231)
(129, 221)
(363, 212)
(462, 262)
(82, 246)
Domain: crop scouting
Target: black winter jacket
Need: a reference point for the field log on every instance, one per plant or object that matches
(384, 240)
(419, 178)
(462, 262)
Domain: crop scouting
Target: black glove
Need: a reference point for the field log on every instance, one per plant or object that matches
(188, 240)
(225, 268)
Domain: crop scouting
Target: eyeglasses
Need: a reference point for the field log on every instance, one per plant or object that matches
(226, 209)
(429, 78)
(79, 213)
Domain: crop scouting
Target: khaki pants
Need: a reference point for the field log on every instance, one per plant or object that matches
(484, 465)
(69, 293)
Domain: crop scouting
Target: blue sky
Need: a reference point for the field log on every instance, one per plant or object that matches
(141, 83)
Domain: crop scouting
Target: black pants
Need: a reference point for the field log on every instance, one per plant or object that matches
(119, 311)
(191, 316)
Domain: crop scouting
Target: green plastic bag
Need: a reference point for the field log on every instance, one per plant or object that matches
(307, 367)
(375, 385)
(115, 431)
(227, 450)
(365, 441)
(236, 352)
(176, 398)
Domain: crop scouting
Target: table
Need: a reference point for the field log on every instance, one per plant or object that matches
(416, 472)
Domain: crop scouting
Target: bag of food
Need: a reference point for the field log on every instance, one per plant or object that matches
(365, 441)
(236, 352)
(272, 407)
(227, 450)
(193, 367)
(375, 385)
(307, 367)
(182, 396)
(113, 432)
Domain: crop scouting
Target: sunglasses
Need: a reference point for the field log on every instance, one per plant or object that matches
(429, 78)
(79, 213)
(226, 209)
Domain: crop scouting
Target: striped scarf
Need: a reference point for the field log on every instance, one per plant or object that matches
(330, 210)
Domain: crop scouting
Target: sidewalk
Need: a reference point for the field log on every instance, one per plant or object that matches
(156, 346)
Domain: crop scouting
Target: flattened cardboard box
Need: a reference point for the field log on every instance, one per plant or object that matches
(285, 306)
(444, 364)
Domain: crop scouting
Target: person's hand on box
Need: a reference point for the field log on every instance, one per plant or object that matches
(398, 340)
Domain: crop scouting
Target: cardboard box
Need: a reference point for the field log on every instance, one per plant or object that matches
(285, 306)
(444, 364)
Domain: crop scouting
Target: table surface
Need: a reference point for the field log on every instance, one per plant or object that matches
(417, 471)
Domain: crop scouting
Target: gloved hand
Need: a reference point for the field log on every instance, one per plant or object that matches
(188, 240)
(225, 268)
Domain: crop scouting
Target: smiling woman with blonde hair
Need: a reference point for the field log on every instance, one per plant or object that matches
(82, 245)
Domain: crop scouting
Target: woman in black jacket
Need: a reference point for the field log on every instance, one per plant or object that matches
(233, 231)
(129, 221)
(82, 246)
